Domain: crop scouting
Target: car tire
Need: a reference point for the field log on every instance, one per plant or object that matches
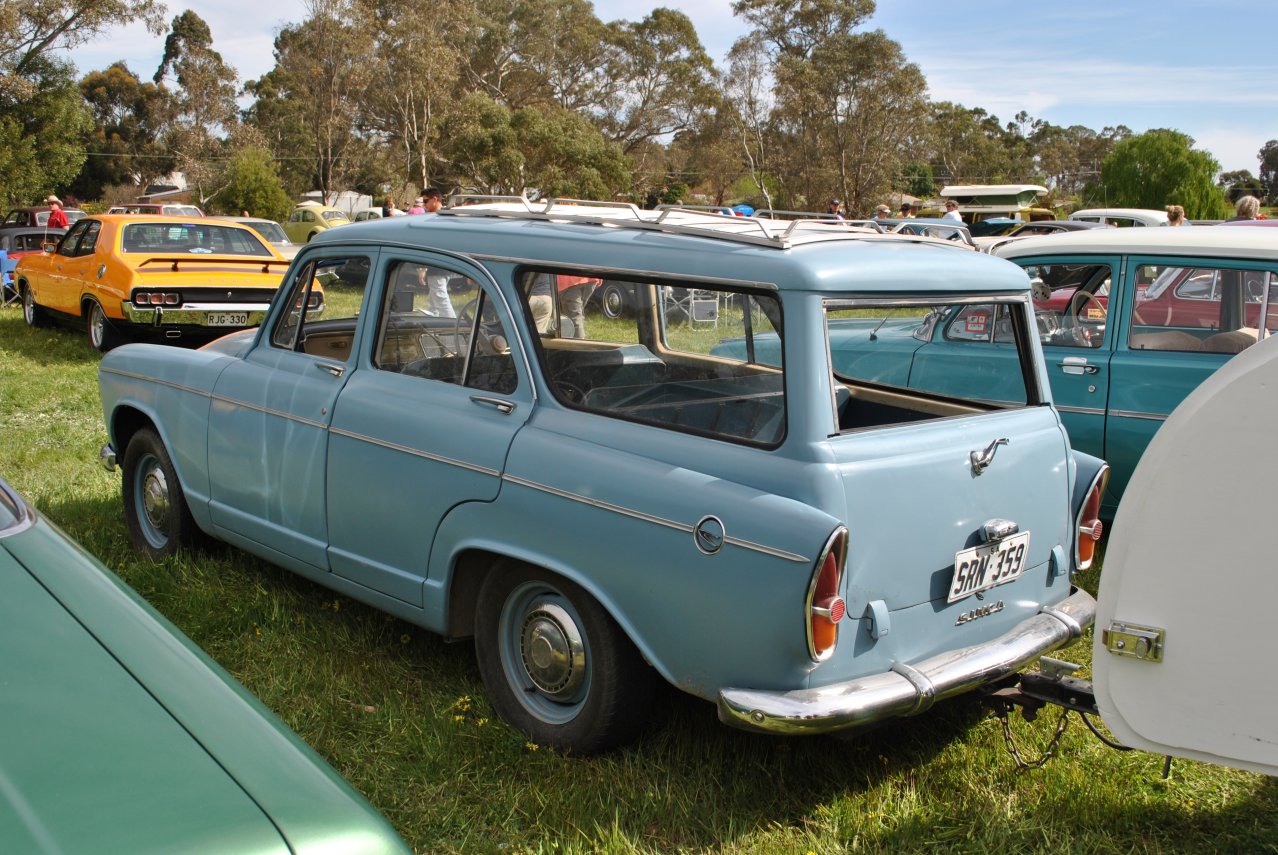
(155, 509)
(613, 300)
(31, 311)
(556, 665)
(103, 336)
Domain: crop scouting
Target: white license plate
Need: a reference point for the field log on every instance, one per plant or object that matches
(988, 565)
(228, 319)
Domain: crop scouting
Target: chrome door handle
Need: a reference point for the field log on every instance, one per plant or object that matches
(502, 406)
(335, 370)
(1078, 365)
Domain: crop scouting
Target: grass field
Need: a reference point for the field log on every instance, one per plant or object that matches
(403, 717)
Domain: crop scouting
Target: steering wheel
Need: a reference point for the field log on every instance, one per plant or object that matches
(1078, 304)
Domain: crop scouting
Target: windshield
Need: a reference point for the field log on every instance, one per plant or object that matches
(272, 232)
(192, 238)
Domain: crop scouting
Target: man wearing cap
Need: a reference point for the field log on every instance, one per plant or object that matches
(905, 210)
(882, 212)
(57, 217)
(951, 211)
(836, 209)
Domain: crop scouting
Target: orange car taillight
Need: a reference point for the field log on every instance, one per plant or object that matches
(1089, 523)
(824, 608)
(156, 298)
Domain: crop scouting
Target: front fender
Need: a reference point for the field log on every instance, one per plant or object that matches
(171, 389)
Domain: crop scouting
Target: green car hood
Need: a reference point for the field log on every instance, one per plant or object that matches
(117, 734)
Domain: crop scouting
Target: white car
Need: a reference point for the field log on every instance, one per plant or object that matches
(1121, 217)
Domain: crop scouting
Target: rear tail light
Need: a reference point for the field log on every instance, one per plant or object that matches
(1089, 526)
(157, 298)
(824, 607)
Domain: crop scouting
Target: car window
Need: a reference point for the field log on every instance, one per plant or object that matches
(67, 246)
(972, 358)
(1189, 309)
(323, 299)
(705, 360)
(199, 238)
(89, 238)
(1071, 303)
(333, 215)
(441, 325)
(271, 231)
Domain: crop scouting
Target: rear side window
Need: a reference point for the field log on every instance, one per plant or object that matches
(1212, 309)
(697, 359)
(896, 362)
(192, 239)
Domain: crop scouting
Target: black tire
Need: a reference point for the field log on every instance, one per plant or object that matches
(103, 335)
(556, 665)
(155, 508)
(614, 300)
(31, 312)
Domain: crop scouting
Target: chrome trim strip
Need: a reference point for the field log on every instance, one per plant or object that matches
(258, 408)
(131, 376)
(1133, 414)
(1086, 411)
(640, 515)
(415, 452)
(891, 693)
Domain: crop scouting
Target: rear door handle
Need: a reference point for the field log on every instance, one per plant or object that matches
(1078, 365)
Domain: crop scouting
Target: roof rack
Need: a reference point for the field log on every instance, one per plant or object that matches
(709, 221)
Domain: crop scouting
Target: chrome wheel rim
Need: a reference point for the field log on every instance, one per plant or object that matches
(28, 306)
(96, 323)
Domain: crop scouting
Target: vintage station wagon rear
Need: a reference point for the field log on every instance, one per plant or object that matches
(689, 491)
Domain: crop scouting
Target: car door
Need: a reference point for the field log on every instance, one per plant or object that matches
(424, 424)
(270, 414)
(53, 286)
(1182, 320)
(1072, 299)
(1182, 657)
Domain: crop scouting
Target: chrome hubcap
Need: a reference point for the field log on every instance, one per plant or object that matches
(95, 325)
(552, 651)
(155, 499)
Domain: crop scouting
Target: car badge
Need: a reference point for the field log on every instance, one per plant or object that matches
(708, 534)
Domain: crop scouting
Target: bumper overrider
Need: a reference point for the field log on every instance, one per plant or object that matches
(909, 689)
(212, 315)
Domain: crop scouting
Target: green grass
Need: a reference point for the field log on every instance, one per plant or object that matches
(403, 717)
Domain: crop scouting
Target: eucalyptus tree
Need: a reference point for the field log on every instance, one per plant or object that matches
(847, 104)
(322, 68)
(201, 106)
(415, 65)
(1268, 176)
(125, 147)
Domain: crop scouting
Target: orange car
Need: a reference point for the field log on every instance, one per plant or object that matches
(129, 276)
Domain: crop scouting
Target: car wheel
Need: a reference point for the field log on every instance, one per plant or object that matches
(613, 300)
(31, 313)
(155, 508)
(102, 335)
(556, 665)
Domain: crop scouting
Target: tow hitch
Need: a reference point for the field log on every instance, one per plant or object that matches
(1053, 683)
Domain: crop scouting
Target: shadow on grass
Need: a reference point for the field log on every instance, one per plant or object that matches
(52, 345)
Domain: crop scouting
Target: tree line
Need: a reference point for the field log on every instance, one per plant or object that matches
(510, 96)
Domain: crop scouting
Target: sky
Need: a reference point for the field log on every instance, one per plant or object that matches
(1180, 64)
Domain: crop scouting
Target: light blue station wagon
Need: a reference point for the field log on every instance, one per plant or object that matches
(600, 502)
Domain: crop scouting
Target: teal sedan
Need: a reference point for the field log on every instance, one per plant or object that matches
(122, 736)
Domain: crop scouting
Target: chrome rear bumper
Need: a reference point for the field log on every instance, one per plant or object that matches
(909, 689)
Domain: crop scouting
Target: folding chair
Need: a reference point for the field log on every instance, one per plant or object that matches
(699, 307)
(8, 293)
